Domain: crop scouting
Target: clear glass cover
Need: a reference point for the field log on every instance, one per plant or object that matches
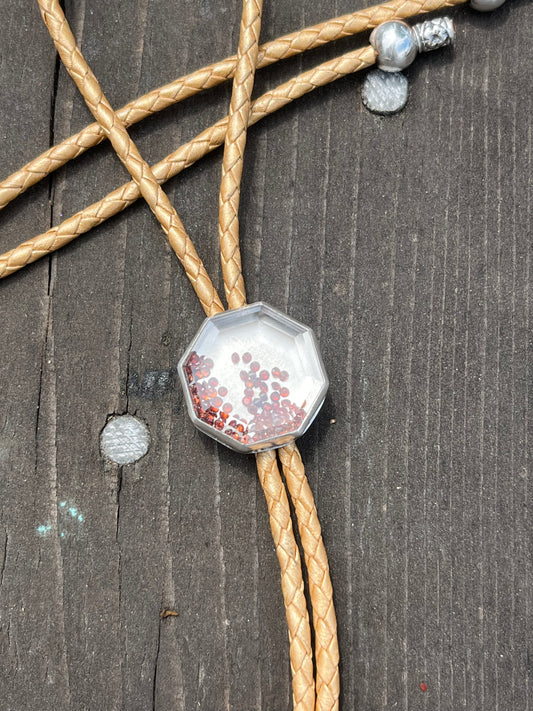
(253, 378)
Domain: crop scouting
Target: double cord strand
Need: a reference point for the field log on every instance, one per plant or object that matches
(301, 658)
(327, 685)
(185, 156)
(287, 550)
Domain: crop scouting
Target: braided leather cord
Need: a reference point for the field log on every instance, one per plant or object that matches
(278, 505)
(320, 588)
(211, 76)
(234, 145)
(185, 156)
(128, 153)
(301, 656)
(301, 653)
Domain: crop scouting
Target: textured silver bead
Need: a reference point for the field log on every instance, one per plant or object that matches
(432, 34)
(395, 45)
(486, 5)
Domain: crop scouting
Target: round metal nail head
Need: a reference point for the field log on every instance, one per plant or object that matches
(385, 93)
(124, 439)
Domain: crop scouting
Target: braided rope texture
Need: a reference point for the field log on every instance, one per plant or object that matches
(185, 156)
(320, 587)
(209, 77)
(128, 153)
(301, 654)
(234, 145)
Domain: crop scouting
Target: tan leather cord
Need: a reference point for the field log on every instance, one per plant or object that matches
(301, 654)
(286, 548)
(234, 145)
(185, 156)
(211, 76)
(128, 153)
(320, 588)
(303, 682)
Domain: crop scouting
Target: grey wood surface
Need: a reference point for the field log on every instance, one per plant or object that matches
(405, 242)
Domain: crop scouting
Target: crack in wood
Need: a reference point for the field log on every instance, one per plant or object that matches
(4, 559)
(156, 662)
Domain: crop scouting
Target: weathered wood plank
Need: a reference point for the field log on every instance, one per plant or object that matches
(405, 243)
(32, 618)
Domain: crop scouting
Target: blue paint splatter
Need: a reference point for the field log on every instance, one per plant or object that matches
(69, 520)
(44, 529)
(68, 524)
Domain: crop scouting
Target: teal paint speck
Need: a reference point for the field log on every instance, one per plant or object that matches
(80, 518)
(43, 530)
(62, 504)
(73, 512)
(62, 534)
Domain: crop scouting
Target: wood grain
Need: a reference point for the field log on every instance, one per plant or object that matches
(405, 242)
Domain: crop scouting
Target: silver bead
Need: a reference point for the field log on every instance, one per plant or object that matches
(432, 34)
(395, 45)
(486, 5)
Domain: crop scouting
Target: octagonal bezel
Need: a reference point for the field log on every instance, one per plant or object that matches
(304, 339)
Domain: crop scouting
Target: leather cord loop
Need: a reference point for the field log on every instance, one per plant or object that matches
(209, 77)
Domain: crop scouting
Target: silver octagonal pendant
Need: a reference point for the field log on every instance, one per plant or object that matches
(253, 378)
